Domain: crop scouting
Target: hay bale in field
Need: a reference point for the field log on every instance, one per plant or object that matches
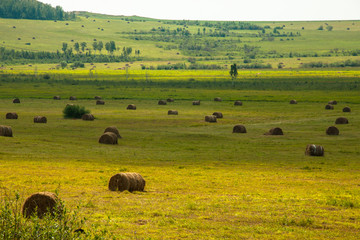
(108, 138)
(56, 98)
(40, 119)
(72, 98)
(16, 100)
(329, 107)
(162, 102)
(88, 117)
(100, 102)
(131, 107)
(238, 103)
(341, 120)
(239, 129)
(293, 101)
(113, 130)
(173, 112)
(210, 118)
(314, 150)
(6, 131)
(196, 102)
(332, 131)
(217, 99)
(346, 109)
(11, 116)
(97, 97)
(333, 102)
(218, 114)
(127, 182)
(40, 204)
(275, 131)
(170, 100)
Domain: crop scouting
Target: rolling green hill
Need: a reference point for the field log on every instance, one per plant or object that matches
(208, 42)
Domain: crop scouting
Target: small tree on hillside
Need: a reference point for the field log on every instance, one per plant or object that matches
(64, 47)
(233, 73)
(107, 46)
(77, 47)
(100, 46)
(95, 46)
(83, 46)
(112, 46)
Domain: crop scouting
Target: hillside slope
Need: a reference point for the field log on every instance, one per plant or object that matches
(178, 40)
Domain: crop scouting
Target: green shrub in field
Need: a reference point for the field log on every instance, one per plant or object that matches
(74, 111)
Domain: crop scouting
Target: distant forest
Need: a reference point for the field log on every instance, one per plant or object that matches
(32, 9)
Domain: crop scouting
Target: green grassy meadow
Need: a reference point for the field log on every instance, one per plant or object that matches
(202, 181)
(158, 47)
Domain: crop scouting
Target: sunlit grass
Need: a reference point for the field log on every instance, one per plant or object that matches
(202, 181)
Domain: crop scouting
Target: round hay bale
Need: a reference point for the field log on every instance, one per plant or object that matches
(238, 103)
(11, 116)
(6, 131)
(113, 130)
(329, 107)
(275, 131)
(40, 204)
(97, 98)
(119, 182)
(341, 120)
(100, 102)
(127, 181)
(170, 100)
(346, 109)
(210, 118)
(314, 150)
(131, 107)
(56, 98)
(88, 117)
(173, 112)
(239, 129)
(108, 138)
(16, 100)
(73, 98)
(217, 99)
(293, 101)
(40, 119)
(196, 102)
(333, 102)
(139, 182)
(332, 131)
(162, 102)
(132, 182)
(218, 114)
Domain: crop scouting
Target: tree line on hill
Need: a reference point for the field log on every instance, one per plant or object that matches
(225, 25)
(32, 9)
(11, 56)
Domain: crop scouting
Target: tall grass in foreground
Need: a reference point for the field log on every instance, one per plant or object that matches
(64, 224)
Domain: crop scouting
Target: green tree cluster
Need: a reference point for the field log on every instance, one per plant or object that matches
(32, 9)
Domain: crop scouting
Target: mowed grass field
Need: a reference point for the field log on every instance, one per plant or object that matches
(202, 180)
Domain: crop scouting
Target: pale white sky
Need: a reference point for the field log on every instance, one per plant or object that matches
(243, 10)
